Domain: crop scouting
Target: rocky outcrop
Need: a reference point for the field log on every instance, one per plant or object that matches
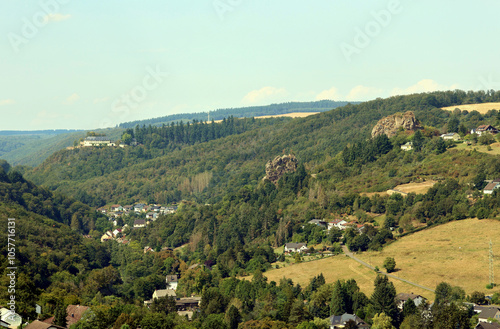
(390, 125)
(276, 168)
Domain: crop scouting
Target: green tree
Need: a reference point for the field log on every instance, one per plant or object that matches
(409, 308)
(383, 297)
(453, 124)
(60, 315)
(165, 305)
(233, 317)
(382, 321)
(390, 264)
(477, 298)
(442, 294)
(418, 141)
(337, 304)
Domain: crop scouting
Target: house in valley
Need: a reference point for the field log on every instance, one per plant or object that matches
(407, 147)
(295, 247)
(401, 299)
(96, 141)
(488, 314)
(490, 187)
(340, 321)
(138, 223)
(171, 281)
(451, 137)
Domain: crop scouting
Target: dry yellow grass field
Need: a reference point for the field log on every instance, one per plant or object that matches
(289, 115)
(418, 188)
(335, 268)
(456, 252)
(481, 108)
(495, 148)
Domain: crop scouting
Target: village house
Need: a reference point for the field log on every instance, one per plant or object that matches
(138, 223)
(152, 215)
(42, 325)
(116, 207)
(128, 209)
(172, 281)
(489, 313)
(159, 294)
(74, 314)
(96, 141)
(490, 187)
(9, 320)
(340, 321)
(139, 207)
(338, 223)
(487, 325)
(318, 222)
(295, 247)
(401, 299)
(407, 147)
(186, 306)
(483, 129)
(451, 136)
(107, 236)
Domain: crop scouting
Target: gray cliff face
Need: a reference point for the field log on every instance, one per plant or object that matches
(390, 125)
(276, 168)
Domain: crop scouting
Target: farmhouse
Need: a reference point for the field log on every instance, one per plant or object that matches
(451, 136)
(318, 222)
(338, 223)
(295, 247)
(403, 297)
(161, 293)
(172, 281)
(340, 321)
(482, 129)
(407, 147)
(139, 223)
(96, 141)
(489, 313)
(42, 325)
(488, 189)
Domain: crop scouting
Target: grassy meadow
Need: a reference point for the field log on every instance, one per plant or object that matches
(456, 252)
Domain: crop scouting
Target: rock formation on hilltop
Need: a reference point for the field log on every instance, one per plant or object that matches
(390, 125)
(276, 168)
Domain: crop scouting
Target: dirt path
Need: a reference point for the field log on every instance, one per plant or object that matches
(350, 254)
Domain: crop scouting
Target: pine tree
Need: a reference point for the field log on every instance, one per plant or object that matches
(60, 315)
(337, 304)
(383, 297)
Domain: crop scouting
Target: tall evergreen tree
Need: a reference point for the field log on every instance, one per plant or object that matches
(60, 315)
(383, 297)
(337, 305)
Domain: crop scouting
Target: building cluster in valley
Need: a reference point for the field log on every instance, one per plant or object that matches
(152, 213)
(339, 223)
(186, 306)
(455, 137)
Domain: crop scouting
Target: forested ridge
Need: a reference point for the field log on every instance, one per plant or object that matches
(230, 220)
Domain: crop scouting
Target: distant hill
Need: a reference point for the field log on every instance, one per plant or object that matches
(242, 112)
(31, 148)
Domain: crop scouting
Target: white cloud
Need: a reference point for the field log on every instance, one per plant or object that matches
(363, 93)
(423, 86)
(266, 94)
(7, 102)
(332, 94)
(56, 17)
(71, 99)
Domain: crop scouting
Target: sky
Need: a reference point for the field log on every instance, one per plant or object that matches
(67, 64)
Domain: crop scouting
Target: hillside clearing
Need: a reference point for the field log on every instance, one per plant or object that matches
(495, 148)
(482, 108)
(456, 252)
(337, 268)
(418, 188)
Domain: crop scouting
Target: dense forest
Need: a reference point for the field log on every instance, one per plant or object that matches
(230, 219)
(245, 112)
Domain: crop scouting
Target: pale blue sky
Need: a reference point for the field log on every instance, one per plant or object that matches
(90, 64)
